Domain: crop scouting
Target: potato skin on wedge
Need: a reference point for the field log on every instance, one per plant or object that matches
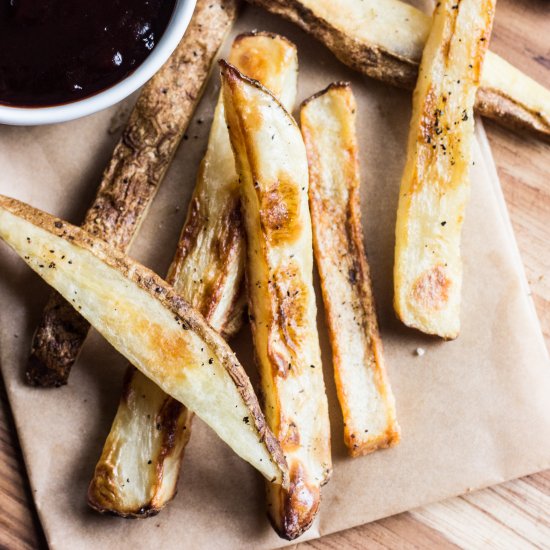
(151, 429)
(435, 185)
(364, 392)
(384, 39)
(272, 165)
(152, 326)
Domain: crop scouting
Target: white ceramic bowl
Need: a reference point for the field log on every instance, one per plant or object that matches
(28, 116)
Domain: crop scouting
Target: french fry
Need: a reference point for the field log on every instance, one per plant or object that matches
(134, 173)
(435, 184)
(150, 430)
(365, 396)
(385, 38)
(272, 165)
(144, 319)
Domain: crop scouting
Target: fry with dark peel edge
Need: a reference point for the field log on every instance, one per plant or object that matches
(385, 38)
(435, 184)
(150, 430)
(364, 392)
(152, 326)
(133, 175)
(272, 165)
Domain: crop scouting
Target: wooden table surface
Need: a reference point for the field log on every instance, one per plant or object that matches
(513, 515)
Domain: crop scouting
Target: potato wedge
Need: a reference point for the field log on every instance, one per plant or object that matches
(151, 429)
(271, 162)
(385, 38)
(435, 184)
(134, 174)
(152, 326)
(364, 392)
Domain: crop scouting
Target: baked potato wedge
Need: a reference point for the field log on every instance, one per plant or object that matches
(385, 38)
(272, 165)
(151, 429)
(142, 317)
(435, 184)
(133, 175)
(366, 399)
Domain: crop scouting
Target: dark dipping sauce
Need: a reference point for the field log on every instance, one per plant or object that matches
(58, 51)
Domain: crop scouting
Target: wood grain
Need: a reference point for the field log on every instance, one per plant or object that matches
(511, 515)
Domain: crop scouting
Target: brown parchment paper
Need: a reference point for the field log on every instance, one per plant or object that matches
(474, 412)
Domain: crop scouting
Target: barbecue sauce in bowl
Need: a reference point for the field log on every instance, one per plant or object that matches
(58, 51)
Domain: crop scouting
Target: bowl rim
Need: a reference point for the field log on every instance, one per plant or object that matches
(34, 116)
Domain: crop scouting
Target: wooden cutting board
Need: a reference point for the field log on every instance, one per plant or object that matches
(514, 514)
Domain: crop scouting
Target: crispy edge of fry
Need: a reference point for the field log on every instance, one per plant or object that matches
(172, 421)
(346, 285)
(291, 511)
(435, 183)
(513, 101)
(145, 285)
(132, 177)
(214, 214)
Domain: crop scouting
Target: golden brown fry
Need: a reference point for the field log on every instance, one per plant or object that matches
(364, 392)
(134, 173)
(150, 430)
(435, 184)
(271, 161)
(144, 319)
(385, 38)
